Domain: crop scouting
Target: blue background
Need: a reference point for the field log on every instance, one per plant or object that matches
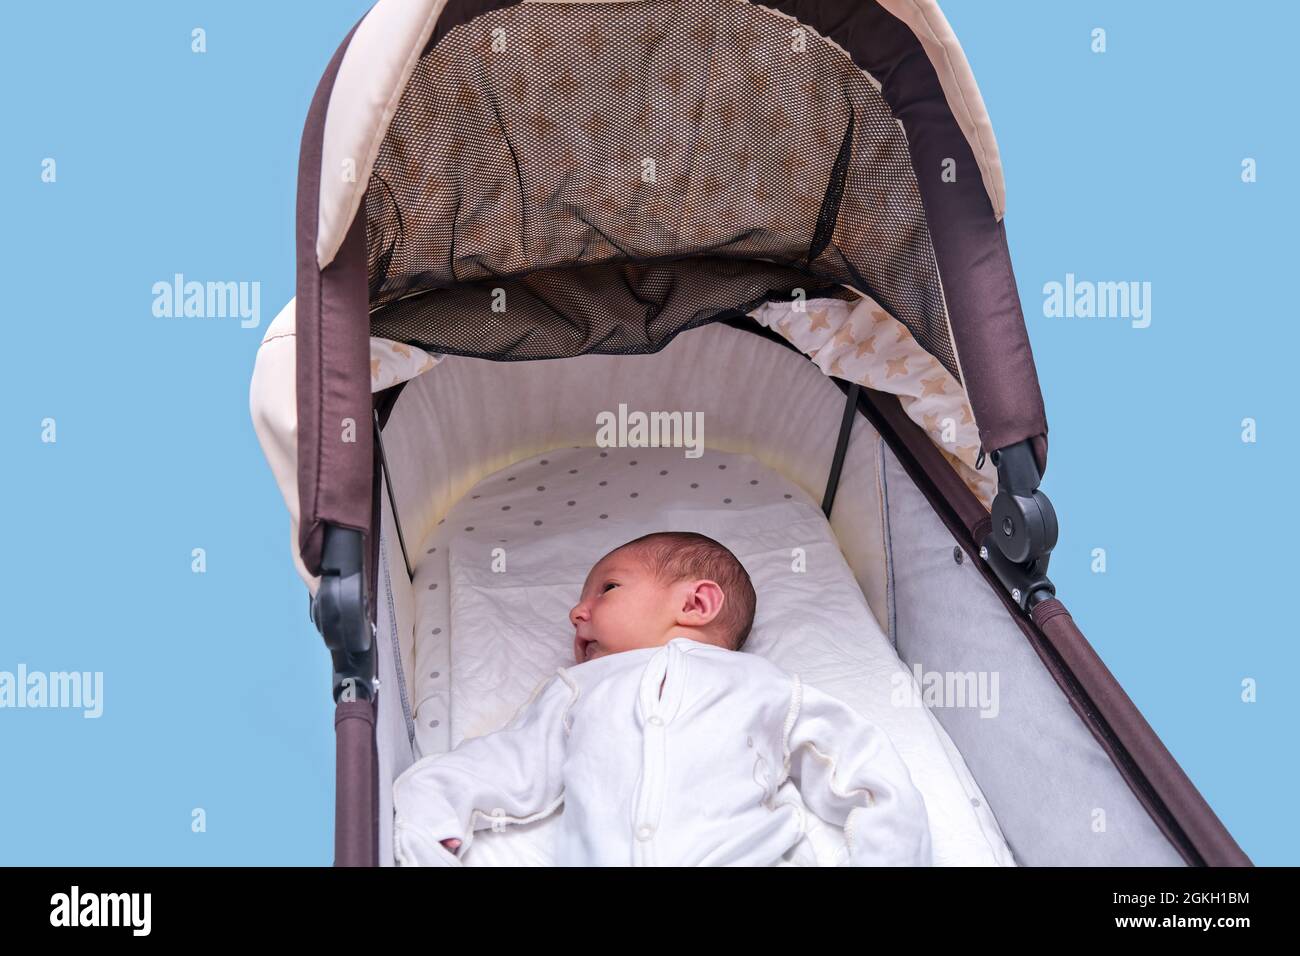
(1119, 166)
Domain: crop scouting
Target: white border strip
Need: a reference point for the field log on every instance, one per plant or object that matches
(371, 80)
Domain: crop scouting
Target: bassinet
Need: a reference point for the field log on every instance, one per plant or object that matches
(560, 210)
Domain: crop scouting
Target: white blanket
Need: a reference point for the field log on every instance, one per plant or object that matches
(490, 635)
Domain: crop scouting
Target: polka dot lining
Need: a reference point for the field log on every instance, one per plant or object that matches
(585, 479)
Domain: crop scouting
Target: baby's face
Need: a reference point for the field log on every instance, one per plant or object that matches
(623, 606)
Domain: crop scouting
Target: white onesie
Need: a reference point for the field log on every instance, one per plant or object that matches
(689, 778)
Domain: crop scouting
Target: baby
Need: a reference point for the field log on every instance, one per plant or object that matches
(665, 743)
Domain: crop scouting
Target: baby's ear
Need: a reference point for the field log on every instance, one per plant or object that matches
(702, 603)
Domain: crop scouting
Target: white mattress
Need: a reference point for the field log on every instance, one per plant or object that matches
(485, 639)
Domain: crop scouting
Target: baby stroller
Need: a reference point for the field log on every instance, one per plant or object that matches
(711, 265)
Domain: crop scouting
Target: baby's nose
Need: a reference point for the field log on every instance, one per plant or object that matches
(579, 613)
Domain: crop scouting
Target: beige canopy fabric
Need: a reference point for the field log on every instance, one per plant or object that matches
(860, 342)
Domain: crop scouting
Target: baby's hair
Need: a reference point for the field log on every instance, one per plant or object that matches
(678, 555)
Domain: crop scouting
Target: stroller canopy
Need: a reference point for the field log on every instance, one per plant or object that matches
(541, 180)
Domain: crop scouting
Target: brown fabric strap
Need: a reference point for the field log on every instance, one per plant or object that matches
(332, 354)
(1166, 791)
(356, 805)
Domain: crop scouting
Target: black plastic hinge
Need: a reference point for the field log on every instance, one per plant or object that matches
(341, 614)
(1024, 529)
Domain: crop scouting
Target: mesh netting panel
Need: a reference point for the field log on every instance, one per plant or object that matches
(569, 178)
